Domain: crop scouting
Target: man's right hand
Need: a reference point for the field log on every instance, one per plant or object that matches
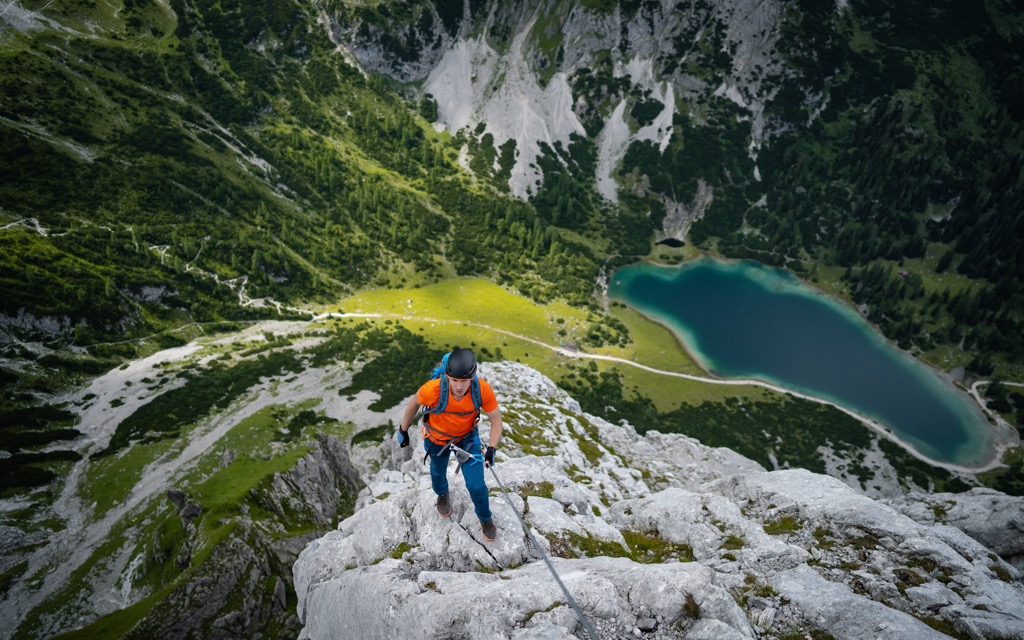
(403, 438)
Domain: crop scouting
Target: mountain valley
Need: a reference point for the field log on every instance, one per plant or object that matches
(236, 235)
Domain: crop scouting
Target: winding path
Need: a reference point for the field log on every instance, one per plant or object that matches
(872, 424)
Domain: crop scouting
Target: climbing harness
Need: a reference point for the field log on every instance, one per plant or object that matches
(427, 431)
(572, 602)
(461, 454)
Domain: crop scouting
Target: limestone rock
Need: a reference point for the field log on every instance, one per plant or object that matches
(991, 517)
(835, 607)
(700, 543)
(390, 600)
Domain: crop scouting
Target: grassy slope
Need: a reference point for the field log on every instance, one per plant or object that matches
(232, 142)
(266, 443)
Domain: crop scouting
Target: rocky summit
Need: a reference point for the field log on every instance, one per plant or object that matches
(654, 537)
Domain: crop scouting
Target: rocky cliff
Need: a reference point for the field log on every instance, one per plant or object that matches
(538, 75)
(655, 536)
(240, 590)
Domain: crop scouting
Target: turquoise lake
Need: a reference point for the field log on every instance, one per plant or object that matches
(746, 320)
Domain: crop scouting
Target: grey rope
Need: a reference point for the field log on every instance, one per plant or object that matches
(579, 612)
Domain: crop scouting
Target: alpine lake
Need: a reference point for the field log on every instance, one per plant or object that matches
(746, 320)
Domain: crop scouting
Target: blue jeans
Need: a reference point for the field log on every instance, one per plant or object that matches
(472, 472)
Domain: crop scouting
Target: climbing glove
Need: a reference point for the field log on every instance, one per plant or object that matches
(489, 456)
(403, 438)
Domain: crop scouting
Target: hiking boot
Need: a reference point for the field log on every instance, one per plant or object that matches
(443, 506)
(490, 531)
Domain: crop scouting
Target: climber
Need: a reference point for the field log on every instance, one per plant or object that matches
(452, 420)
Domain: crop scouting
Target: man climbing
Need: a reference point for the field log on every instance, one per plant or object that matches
(452, 421)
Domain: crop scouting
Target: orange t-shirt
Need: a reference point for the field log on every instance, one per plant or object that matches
(450, 423)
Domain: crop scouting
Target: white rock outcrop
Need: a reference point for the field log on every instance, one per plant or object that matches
(517, 89)
(989, 516)
(654, 536)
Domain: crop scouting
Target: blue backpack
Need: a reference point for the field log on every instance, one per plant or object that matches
(474, 390)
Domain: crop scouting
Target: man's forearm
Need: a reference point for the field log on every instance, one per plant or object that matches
(410, 414)
(496, 428)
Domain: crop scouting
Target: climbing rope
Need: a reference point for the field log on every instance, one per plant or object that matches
(572, 602)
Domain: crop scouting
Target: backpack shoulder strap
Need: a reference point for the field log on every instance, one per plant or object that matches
(478, 400)
(438, 373)
(442, 400)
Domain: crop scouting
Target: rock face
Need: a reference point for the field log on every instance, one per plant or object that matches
(990, 517)
(188, 510)
(493, 66)
(239, 590)
(654, 536)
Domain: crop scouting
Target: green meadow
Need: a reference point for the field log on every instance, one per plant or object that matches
(479, 314)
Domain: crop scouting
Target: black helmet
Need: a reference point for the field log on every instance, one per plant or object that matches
(461, 364)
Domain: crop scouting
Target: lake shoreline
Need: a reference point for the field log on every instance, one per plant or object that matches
(993, 461)
(993, 454)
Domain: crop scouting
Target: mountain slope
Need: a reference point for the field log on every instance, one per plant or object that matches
(228, 142)
(651, 535)
(204, 470)
(808, 134)
(173, 170)
(165, 163)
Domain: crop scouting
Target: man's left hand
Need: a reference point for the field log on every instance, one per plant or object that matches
(489, 456)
